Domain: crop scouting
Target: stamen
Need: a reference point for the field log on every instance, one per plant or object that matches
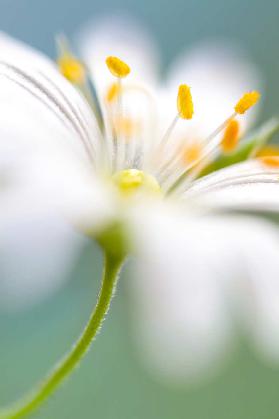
(270, 161)
(247, 101)
(185, 105)
(113, 92)
(126, 127)
(167, 134)
(192, 152)
(231, 136)
(70, 66)
(72, 69)
(211, 144)
(185, 109)
(117, 67)
(120, 70)
(269, 150)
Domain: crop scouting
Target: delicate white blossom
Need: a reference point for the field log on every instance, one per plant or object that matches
(117, 150)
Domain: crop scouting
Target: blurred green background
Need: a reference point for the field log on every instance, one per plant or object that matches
(111, 383)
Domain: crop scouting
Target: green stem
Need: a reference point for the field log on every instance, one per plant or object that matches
(41, 393)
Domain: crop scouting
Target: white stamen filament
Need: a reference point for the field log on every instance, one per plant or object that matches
(213, 143)
(168, 132)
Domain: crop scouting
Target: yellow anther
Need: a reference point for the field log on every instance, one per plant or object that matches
(131, 181)
(72, 69)
(231, 136)
(126, 127)
(247, 101)
(192, 152)
(117, 67)
(113, 92)
(185, 105)
(270, 161)
(269, 150)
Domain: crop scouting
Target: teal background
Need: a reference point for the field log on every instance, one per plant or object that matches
(175, 24)
(111, 383)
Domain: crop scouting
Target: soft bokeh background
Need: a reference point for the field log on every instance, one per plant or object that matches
(112, 383)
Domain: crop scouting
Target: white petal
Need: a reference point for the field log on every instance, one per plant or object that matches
(33, 183)
(35, 108)
(31, 85)
(37, 256)
(48, 150)
(258, 290)
(246, 186)
(16, 52)
(120, 36)
(50, 140)
(192, 273)
(37, 247)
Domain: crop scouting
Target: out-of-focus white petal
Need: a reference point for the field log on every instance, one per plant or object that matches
(120, 36)
(37, 255)
(34, 183)
(46, 110)
(181, 316)
(49, 140)
(258, 290)
(31, 85)
(19, 53)
(48, 147)
(43, 211)
(218, 74)
(192, 272)
(245, 186)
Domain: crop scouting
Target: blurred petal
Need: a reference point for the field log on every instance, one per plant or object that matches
(37, 247)
(17, 52)
(50, 140)
(30, 82)
(192, 272)
(120, 36)
(30, 186)
(63, 119)
(36, 257)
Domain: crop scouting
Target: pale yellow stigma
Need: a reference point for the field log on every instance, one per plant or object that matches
(247, 101)
(117, 67)
(72, 68)
(113, 92)
(131, 181)
(270, 161)
(230, 138)
(185, 105)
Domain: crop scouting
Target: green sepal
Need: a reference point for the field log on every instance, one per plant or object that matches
(247, 148)
(113, 240)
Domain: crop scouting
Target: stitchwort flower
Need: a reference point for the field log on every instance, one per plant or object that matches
(120, 161)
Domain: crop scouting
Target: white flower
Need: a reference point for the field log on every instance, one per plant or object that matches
(196, 259)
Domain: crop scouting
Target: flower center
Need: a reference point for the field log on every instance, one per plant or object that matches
(132, 181)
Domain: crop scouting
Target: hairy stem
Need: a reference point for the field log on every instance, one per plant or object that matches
(41, 393)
